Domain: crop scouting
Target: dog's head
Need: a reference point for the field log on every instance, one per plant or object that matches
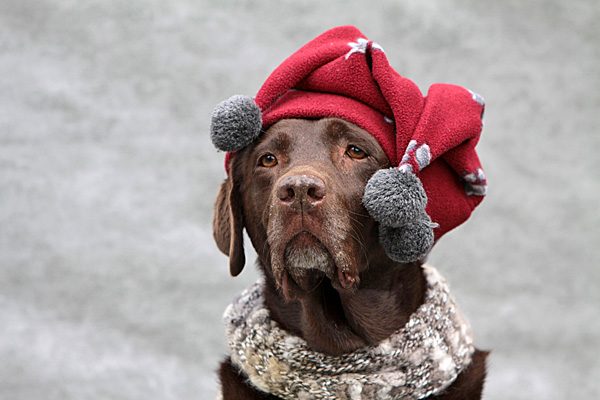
(298, 192)
(310, 174)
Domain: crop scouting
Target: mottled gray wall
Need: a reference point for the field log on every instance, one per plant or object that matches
(110, 284)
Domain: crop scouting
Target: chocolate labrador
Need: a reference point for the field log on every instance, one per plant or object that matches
(298, 193)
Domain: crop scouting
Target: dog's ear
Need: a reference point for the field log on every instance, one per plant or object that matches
(228, 223)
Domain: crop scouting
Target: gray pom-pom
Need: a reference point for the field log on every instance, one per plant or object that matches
(236, 122)
(408, 243)
(394, 198)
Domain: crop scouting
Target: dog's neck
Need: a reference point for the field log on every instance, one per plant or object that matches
(337, 322)
(422, 358)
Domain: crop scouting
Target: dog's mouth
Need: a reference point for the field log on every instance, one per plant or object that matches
(307, 262)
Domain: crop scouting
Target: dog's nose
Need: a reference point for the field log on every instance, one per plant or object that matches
(301, 192)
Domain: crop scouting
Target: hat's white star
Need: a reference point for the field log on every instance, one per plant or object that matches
(360, 46)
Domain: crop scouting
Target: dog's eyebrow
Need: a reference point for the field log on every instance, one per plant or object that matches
(351, 133)
(276, 137)
(337, 126)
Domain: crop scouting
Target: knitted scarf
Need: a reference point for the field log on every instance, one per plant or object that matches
(421, 359)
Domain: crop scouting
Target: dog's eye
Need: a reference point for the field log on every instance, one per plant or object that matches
(267, 161)
(356, 153)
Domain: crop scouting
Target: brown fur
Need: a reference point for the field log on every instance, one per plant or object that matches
(327, 277)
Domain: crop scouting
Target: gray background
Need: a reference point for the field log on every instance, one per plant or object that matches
(110, 284)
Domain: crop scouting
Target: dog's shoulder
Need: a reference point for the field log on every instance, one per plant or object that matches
(235, 385)
(469, 384)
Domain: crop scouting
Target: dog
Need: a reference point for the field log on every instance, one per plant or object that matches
(298, 192)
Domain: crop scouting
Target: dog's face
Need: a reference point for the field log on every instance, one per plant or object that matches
(298, 192)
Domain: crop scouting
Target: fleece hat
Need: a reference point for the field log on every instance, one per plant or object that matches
(436, 179)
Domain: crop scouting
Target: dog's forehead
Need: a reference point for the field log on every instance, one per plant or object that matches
(307, 133)
(296, 133)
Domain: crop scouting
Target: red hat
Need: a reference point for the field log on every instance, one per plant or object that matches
(436, 179)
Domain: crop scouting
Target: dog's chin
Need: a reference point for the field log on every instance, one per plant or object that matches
(307, 253)
(307, 263)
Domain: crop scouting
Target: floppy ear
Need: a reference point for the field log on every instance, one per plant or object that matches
(228, 224)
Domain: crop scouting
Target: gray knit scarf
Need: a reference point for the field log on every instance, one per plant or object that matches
(421, 359)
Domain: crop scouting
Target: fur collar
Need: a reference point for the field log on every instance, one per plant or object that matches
(421, 359)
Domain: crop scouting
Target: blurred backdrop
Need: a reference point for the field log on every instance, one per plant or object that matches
(110, 284)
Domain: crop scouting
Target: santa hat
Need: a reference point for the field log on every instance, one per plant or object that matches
(436, 179)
